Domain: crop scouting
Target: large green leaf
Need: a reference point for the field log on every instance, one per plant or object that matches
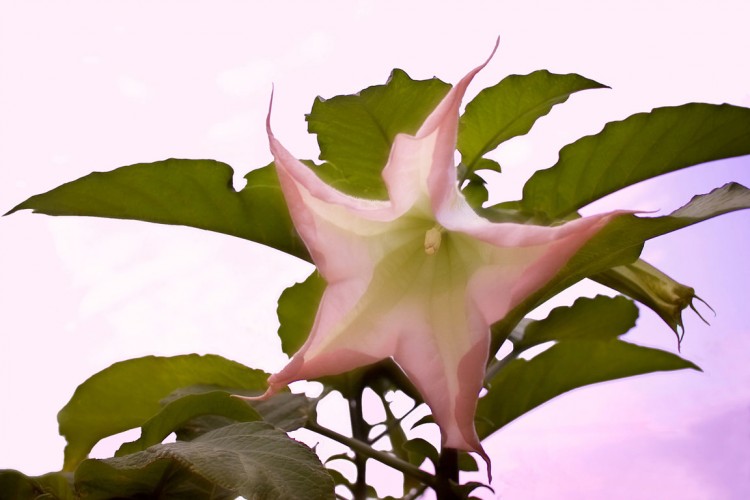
(630, 231)
(53, 486)
(510, 108)
(58, 485)
(355, 132)
(127, 394)
(285, 410)
(600, 317)
(640, 147)
(145, 475)
(16, 486)
(251, 459)
(560, 368)
(620, 243)
(296, 310)
(196, 193)
(178, 412)
(523, 385)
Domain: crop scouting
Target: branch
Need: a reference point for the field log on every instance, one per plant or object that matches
(385, 458)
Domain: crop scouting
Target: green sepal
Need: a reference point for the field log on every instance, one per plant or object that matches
(651, 287)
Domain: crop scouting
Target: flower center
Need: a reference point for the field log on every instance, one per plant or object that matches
(432, 239)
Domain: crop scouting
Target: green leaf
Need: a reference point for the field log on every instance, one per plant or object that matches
(465, 489)
(251, 459)
(651, 287)
(355, 132)
(180, 411)
(427, 419)
(285, 410)
(523, 385)
(475, 192)
(485, 164)
(466, 462)
(620, 243)
(598, 318)
(195, 193)
(640, 147)
(629, 232)
(338, 478)
(296, 310)
(127, 394)
(16, 486)
(510, 108)
(147, 474)
(419, 449)
(57, 486)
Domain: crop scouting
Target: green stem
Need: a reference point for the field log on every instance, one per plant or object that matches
(366, 450)
(416, 493)
(359, 432)
(396, 421)
(498, 364)
(447, 473)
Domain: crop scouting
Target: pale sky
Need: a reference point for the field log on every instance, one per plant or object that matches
(90, 86)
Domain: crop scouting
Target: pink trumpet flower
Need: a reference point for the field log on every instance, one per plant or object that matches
(419, 277)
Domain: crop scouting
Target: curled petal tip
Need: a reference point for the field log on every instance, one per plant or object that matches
(269, 392)
(486, 458)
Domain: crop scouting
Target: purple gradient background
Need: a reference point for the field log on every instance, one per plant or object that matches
(95, 85)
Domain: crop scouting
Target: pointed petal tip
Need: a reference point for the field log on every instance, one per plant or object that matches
(485, 456)
(268, 116)
(492, 54)
(487, 61)
(475, 446)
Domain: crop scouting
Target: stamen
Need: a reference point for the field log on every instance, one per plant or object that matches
(432, 239)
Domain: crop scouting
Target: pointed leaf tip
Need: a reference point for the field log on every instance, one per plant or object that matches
(510, 109)
(637, 148)
(195, 193)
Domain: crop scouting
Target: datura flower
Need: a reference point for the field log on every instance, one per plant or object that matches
(420, 277)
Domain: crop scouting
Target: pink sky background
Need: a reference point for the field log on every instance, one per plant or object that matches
(90, 86)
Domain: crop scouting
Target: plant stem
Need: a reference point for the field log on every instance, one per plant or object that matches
(366, 450)
(359, 432)
(396, 421)
(416, 493)
(447, 472)
(498, 364)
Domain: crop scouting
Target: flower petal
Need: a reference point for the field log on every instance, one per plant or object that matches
(419, 277)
